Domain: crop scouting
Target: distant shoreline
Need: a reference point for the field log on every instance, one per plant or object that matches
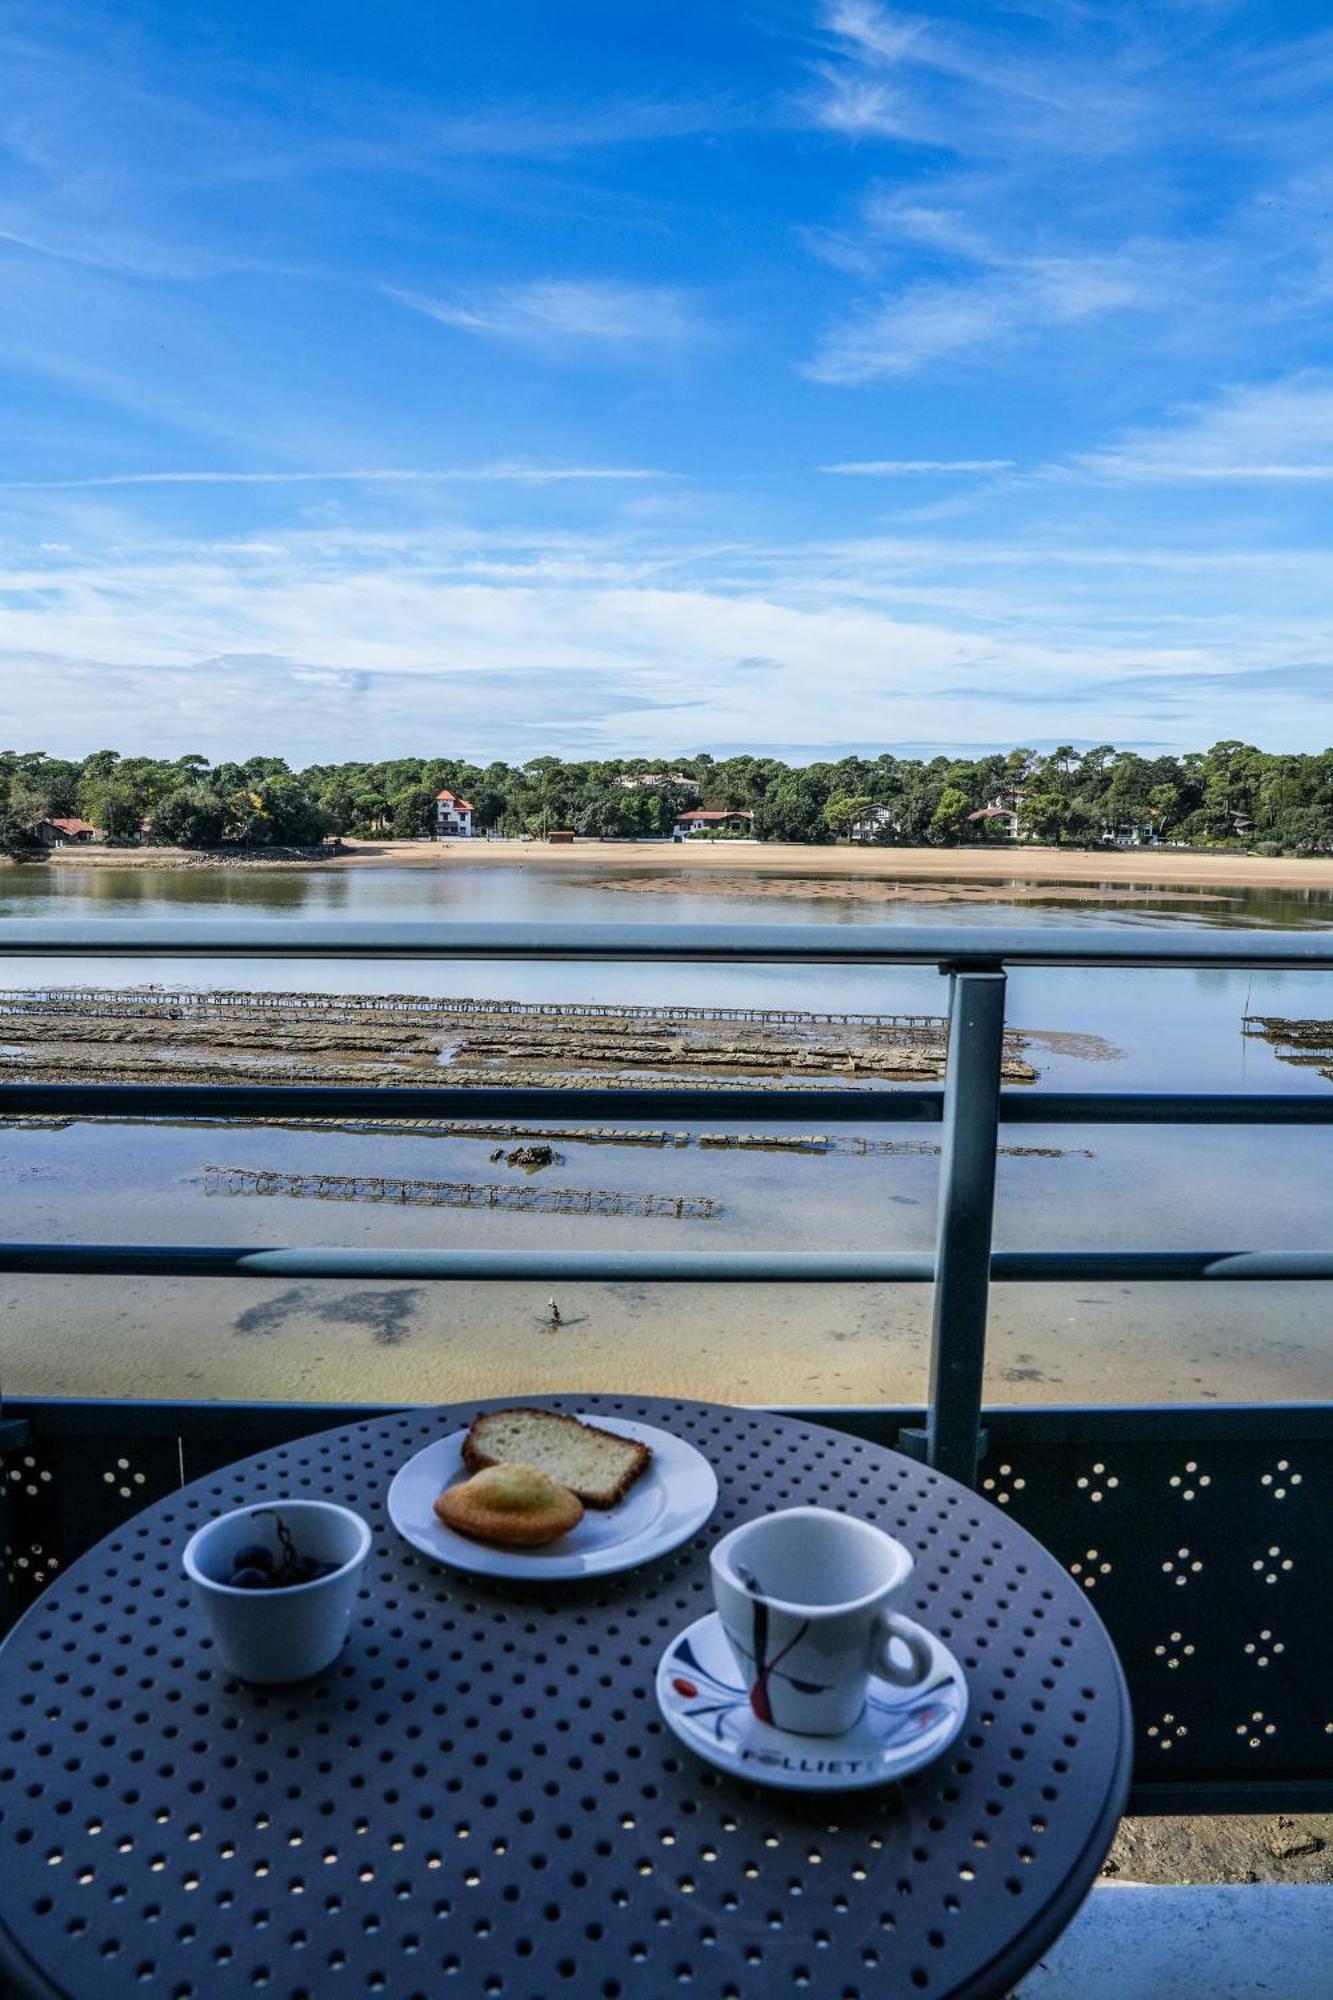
(896, 872)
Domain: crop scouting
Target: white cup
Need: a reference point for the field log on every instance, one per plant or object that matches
(294, 1631)
(805, 1600)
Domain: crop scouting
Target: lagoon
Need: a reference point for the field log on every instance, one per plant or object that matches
(1121, 1187)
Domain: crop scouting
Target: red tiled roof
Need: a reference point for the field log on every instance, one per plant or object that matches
(74, 825)
(737, 814)
(448, 799)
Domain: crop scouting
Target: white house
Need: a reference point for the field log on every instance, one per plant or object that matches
(453, 817)
(642, 780)
(875, 822)
(1002, 817)
(1128, 833)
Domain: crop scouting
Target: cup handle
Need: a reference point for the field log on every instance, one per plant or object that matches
(892, 1627)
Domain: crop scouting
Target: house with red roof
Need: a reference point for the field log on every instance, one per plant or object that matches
(453, 817)
(712, 819)
(66, 832)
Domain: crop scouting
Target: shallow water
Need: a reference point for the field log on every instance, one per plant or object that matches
(1150, 1188)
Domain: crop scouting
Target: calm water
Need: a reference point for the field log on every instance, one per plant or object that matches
(1119, 1188)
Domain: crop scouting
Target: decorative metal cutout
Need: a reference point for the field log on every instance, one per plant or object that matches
(1089, 1568)
(1098, 1484)
(1175, 1649)
(1181, 1566)
(1167, 1733)
(1002, 1488)
(1191, 1482)
(1272, 1564)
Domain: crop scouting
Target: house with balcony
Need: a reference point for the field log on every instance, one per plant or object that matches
(453, 817)
(875, 823)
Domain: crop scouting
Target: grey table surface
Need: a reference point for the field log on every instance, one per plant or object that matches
(481, 1797)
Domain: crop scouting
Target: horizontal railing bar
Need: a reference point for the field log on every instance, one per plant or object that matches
(740, 1267)
(728, 1267)
(1165, 1107)
(741, 944)
(830, 1105)
(1227, 1792)
(1018, 1423)
(1035, 1424)
(1157, 1266)
(480, 1101)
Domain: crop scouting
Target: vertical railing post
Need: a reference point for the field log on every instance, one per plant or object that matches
(966, 1215)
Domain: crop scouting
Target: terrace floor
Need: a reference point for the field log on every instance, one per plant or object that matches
(1263, 1941)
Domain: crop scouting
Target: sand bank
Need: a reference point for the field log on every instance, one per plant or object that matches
(991, 873)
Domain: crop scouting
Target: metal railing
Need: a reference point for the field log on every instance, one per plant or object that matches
(970, 1109)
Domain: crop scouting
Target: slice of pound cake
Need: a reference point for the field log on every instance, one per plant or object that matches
(595, 1464)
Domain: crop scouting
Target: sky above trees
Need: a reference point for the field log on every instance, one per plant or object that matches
(787, 378)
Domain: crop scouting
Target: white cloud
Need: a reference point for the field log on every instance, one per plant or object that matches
(892, 468)
(1059, 158)
(1274, 431)
(515, 474)
(890, 73)
(606, 641)
(898, 336)
(566, 311)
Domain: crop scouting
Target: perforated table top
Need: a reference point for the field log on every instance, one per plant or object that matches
(481, 1798)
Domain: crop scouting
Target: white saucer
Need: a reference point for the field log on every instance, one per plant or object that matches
(700, 1694)
(665, 1506)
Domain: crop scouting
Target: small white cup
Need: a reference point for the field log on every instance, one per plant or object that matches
(805, 1600)
(295, 1631)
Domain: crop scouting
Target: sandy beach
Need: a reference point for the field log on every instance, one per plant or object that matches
(887, 873)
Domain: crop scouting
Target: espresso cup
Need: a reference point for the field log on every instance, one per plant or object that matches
(805, 1598)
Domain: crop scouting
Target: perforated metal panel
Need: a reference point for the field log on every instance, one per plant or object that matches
(1209, 1557)
(481, 1796)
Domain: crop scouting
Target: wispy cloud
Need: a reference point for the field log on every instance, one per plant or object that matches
(1273, 431)
(893, 468)
(887, 72)
(901, 335)
(484, 475)
(1056, 159)
(569, 312)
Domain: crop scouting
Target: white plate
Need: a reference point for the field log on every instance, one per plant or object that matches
(700, 1694)
(664, 1507)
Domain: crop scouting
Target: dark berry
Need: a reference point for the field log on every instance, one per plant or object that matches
(249, 1579)
(253, 1556)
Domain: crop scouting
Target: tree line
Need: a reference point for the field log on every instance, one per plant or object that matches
(1232, 796)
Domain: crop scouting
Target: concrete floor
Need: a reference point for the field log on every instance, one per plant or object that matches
(1260, 1941)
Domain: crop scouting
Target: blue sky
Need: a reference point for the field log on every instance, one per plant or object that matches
(602, 379)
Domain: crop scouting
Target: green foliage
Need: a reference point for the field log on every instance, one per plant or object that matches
(17, 839)
(950, 815)
(1231, 796)
(191, 816)
(1044, 815)
(843, 811)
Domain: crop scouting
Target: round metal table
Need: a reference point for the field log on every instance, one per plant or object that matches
(481, 1797)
